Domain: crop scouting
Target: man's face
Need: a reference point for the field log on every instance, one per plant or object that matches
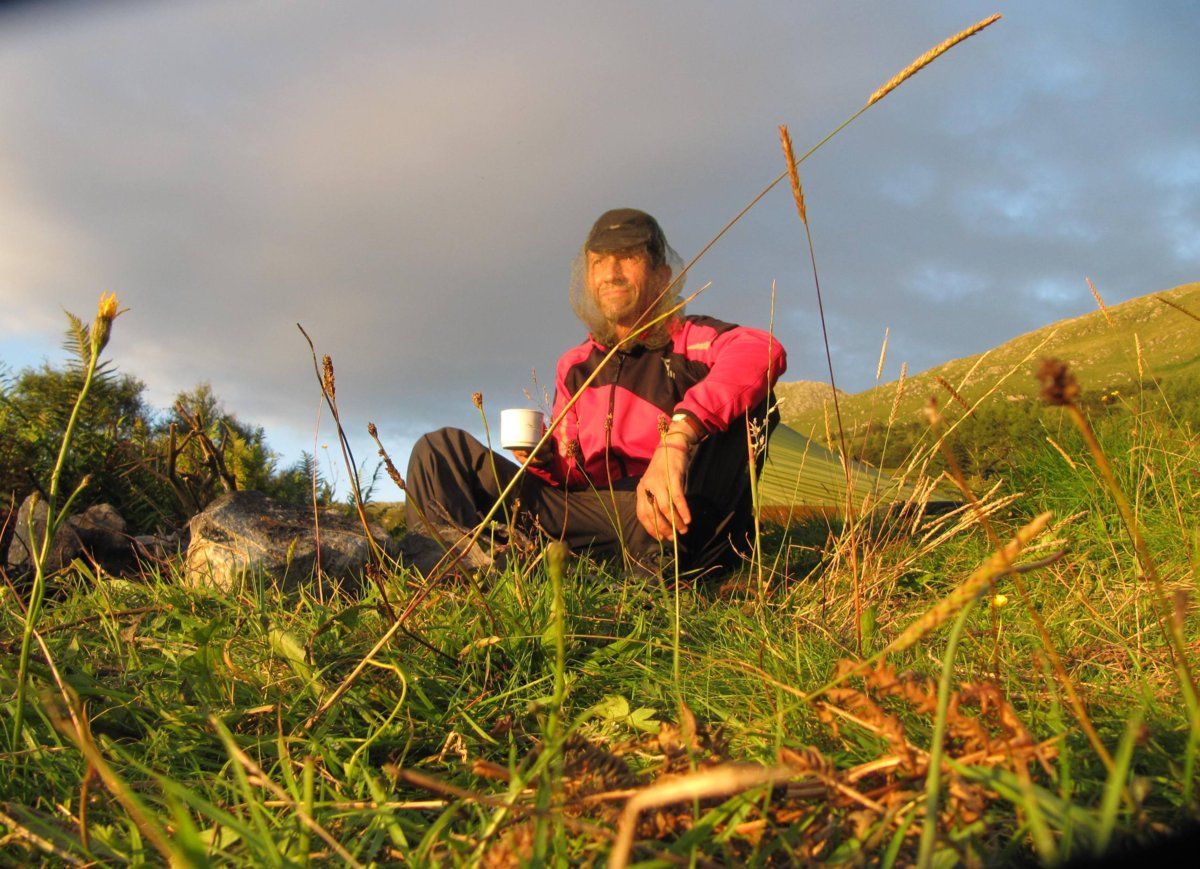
(624, 283)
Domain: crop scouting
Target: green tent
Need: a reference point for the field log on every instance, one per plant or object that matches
(801, 476)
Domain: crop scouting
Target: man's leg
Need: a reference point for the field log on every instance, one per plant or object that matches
(451, 486)
(600, 521)
(453, 482)
(719, 497)
(453, 478)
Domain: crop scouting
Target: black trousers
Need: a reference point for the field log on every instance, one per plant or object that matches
(454, 478)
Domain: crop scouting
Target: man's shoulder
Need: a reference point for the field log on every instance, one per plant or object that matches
(703, 321)
(699, 328)
(581, 352)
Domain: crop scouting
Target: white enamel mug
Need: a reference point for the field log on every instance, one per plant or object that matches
(521, 428)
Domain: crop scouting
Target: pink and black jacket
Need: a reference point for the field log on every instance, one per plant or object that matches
(712, 371)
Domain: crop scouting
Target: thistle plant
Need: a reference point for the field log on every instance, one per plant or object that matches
(88, 342)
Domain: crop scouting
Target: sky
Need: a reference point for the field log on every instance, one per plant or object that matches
(410, 181)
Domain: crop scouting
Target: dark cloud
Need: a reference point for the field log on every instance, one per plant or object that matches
(411, 184)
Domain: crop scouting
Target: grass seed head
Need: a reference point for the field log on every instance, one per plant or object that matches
(1059, 387)
(392, 472)
(1099, 301)
(327, 381)
(929, 57)
(946, 385)
(785, 139)
(899, 393)
(477, 400)
(948, 607)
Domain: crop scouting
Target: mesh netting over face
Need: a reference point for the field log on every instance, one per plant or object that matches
(586, 307)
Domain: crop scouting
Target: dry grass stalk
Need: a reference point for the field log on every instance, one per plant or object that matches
(259, 777)
(785, 138)
(1137, 342)
(387, 460)
(19, 831)
(1180, 308)
(899, 393)
(718, 781)
(1099, 301)
(1061, 451)
(78, 731)
(945, 384)
(999, 564)
(887, 331)
(1047, 642)
(929, 57)
(1060, 388)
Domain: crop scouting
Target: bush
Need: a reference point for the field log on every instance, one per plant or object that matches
(156, 469)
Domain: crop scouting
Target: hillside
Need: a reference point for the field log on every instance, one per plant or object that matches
(1103, 351)
(800, 396)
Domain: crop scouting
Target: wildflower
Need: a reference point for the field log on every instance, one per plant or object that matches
(106, 312)
(999, 600)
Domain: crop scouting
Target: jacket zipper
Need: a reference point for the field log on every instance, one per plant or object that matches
(612, 422)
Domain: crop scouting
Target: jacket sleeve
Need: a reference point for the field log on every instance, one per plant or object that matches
(744, 365)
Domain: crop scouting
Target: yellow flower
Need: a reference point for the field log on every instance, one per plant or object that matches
(999, 600)
(106, 312)
(108, 307)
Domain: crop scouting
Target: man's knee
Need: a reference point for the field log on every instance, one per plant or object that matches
(444, 435)
(434, 443)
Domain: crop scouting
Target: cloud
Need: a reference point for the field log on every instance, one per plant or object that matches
(411, 183)
(946, 283)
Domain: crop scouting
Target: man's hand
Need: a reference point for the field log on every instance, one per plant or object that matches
(543, 457)
(661, 506)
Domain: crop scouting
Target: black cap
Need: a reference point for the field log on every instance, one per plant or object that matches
(625, 228)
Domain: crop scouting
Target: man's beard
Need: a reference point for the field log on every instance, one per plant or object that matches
(629, 312)
(620, 310)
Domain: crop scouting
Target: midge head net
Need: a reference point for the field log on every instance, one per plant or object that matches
(619, 230)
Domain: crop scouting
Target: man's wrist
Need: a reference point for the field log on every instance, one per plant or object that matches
(683, 424)
(685, 435)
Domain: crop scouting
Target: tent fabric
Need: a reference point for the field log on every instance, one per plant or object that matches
(800, 474)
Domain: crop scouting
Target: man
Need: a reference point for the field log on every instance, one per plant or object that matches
(652, 457)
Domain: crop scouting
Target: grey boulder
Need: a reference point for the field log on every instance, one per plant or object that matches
(98, 533)
(246, 533)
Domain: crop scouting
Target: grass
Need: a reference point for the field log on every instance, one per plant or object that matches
(1105, 348)
(892, 689)
(196, 703)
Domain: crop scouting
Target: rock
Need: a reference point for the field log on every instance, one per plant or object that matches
(244, 532)
(103, 533)
(155, 547)
(8, 520)
(98, 533)
(66, 546)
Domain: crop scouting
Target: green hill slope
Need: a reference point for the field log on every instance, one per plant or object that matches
(1141, 339)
